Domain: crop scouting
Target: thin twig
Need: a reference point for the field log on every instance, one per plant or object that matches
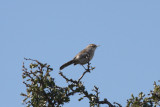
(118, 104)
(67, 78)
(87, 70)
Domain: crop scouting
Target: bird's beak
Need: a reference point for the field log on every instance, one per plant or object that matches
(98, 45)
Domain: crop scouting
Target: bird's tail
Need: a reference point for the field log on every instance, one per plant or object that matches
(66, 64)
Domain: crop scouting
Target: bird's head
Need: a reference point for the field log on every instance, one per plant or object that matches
(93, 46)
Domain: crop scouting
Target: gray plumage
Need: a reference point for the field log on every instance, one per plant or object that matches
(82, 57)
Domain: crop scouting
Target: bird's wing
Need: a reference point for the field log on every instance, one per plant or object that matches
(82, 55)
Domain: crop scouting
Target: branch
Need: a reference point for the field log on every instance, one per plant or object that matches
(87, 70)
(70, 80)
(105, 101)
(94, 99)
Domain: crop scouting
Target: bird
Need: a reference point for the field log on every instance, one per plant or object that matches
(82, 57)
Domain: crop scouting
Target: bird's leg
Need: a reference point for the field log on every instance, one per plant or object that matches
(84, 67)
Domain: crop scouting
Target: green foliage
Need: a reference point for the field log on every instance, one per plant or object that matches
(42, 91)
(153, 99)
(41, 88)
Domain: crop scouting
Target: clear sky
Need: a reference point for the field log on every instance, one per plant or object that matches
(54, 31)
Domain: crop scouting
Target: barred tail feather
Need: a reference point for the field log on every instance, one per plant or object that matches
(66, 64)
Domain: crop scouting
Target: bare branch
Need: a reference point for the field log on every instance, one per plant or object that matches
(70, 80)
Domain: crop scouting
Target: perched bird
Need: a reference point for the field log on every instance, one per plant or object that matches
(82, 57)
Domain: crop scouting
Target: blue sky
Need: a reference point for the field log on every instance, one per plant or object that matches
(54, 31)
